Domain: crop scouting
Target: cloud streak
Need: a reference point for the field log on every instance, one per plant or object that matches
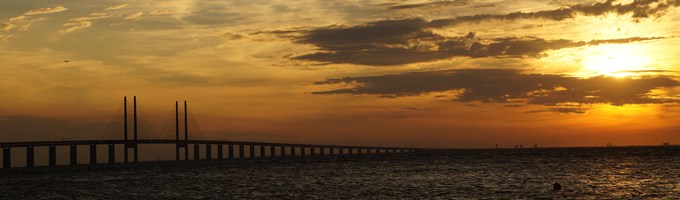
(436, 4)
(638, 9)
(79, 23)
(134, 16)
(116, 7)
(74, 26)
(46, 10)
(6, 26)
(511, 87)
(12, 22)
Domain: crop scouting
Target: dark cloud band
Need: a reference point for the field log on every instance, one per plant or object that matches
(511, 87)
(406, 41)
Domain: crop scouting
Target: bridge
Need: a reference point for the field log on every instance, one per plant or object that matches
(119, 134)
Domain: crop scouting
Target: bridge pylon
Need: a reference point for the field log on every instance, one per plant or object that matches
(186, 133)
(179, 143)
(127, 143)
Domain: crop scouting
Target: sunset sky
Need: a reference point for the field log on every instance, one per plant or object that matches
(459, 73)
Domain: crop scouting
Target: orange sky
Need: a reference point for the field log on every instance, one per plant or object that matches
(460, 73)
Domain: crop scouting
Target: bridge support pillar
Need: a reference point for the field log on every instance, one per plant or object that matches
(302, 151)
(220, 154)
(177, 151)
(93, 154)
(272, 151)
(241, 152)
(135, 152)
(331, 150)
(230, 148)
(282, 151)
(186, 150)
(112, 154)
(252, 151)
(6, 157)
(197, 152)
(292, 151)
(262, 154)
(350, 151)
(30, 156)
(208, 152)
(312, 151)
(52, 156)
(322, 151)
(74, 154)
(341, 151)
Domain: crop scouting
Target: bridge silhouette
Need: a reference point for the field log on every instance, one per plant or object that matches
(118, 133)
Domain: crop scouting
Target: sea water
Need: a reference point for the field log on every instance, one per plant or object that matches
(592, 173)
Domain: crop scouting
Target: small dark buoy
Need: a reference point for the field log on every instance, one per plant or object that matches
(557, 186)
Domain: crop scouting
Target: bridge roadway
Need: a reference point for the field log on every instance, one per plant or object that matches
(285, 149)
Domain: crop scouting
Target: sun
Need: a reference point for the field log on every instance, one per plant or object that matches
(617, 60)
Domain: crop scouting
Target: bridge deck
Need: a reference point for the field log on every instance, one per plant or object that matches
(102, 142)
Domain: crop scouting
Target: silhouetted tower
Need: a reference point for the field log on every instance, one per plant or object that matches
(186, 133)
(125, 131)
(178, 145)
(181, 144)
(135, 129)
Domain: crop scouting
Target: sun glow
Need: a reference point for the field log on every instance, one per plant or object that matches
(615, 60)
